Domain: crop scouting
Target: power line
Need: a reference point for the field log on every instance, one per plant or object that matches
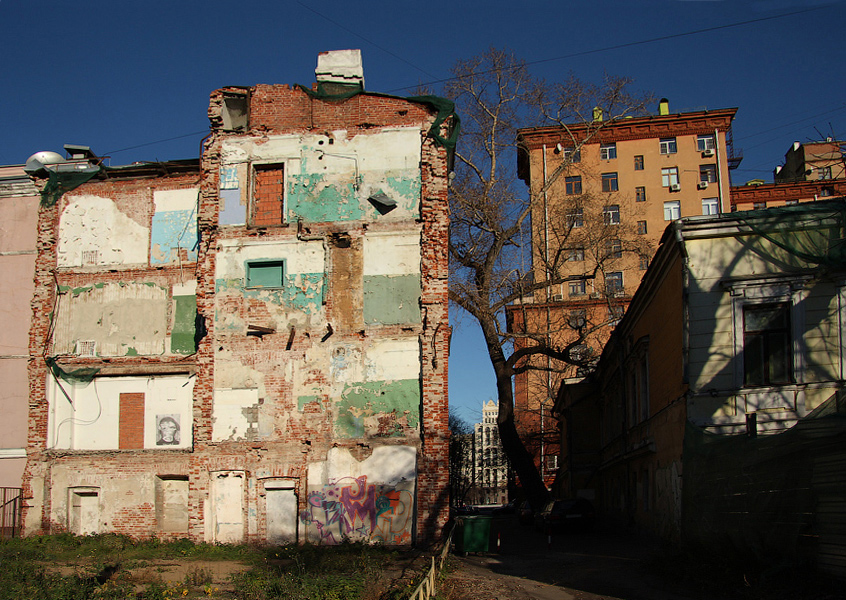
(178, 137)
(372, 43)
(638, 43)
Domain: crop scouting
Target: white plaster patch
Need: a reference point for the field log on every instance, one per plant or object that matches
(386, 465)
(391, 253)
(388, 360)
(93, 228)
(188, 288)
(91, 419)
(299, 257)
(230, 420)
(172, 200)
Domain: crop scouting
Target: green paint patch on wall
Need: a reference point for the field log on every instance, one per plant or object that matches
(303, 400)
(302, 291)
(182, 339)
(392, 299)
(130, 351)
(378, 409)
(315, 200)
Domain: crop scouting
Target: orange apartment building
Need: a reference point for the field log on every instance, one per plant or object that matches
(812, 171)
(594, 231)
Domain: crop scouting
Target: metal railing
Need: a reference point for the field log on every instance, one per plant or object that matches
(10, 515)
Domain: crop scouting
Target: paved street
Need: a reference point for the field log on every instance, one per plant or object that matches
(602, 565)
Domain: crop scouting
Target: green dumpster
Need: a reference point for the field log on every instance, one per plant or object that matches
(474, 531)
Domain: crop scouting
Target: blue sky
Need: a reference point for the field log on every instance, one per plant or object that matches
(132, 79)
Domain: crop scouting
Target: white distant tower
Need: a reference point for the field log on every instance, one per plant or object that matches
(490, 464)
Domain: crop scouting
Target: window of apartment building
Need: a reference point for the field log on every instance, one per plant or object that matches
(644, 263)
(759, 205)
(767, 345)
(826, 192)
(672, 210)
(573, 185)
(551, 462)
(576, 254)
(614, 282)
(576, 217)
(638, 162)
(791, 202)
(608, 151)
(705, 142)
(578, 318)
(265, 273)
(268, 206)
(613, 248)
(710, 206)
(611, 214)
(609, 182)
(824, 173)
(669, 176)
(641, 227)
(577, 288)
(615, 313)
(708, 173)
(572, 155)
(640, 194)
(668, 145)
(580, 352)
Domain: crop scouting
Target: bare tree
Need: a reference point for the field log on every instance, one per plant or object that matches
(492, 217)
(460, 459)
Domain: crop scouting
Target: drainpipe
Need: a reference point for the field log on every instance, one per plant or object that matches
(548, 316)
(719, 171)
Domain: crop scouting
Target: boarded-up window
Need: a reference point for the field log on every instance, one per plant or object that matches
(268, 196)
(266, 274)
(131, 421)
(172, 503)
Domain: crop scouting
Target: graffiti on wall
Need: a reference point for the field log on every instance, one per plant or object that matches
(352, 509)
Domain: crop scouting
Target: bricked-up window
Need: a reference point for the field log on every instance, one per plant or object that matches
(131, 421)
(268, 206)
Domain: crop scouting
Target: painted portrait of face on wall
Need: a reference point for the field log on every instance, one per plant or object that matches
(167, 430)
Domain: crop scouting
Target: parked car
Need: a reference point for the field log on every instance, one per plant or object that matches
(575, 514)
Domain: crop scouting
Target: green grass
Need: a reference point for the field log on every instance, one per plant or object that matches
(101, 567)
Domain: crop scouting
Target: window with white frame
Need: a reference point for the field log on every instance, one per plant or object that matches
(668, 145)
(614, 282)
(576, 217)
(824, 172)
(613, 248)
(572, 155)
(669, 176)
(708, 173)
(710, 206)
(608, 151)
(576, 254)
(705, 142)
(611, 214)
(672, 210)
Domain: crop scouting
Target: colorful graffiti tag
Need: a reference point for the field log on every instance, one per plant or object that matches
(351, 509)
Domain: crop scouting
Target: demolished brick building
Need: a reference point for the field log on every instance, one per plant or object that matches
(254, 348)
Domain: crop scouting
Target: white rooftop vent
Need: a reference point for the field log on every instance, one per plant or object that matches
(340, 66)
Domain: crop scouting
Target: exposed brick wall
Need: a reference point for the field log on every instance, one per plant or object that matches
(292, 447)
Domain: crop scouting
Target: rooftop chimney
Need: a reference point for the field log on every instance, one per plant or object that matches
(340, 67)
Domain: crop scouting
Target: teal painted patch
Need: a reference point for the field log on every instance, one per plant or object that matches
(173, 232)
(303, 400)
(184, 319)
(379, 408)
(312, 199)
(392, 299)
(302, 291)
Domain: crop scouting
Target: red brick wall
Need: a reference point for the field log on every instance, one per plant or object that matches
(131, 421)
(268, 197)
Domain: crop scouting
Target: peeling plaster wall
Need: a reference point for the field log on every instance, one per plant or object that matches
(122, 319)
(392, 286)
(329, 178)
(174, 231)
(88, 417)
(94, 224)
